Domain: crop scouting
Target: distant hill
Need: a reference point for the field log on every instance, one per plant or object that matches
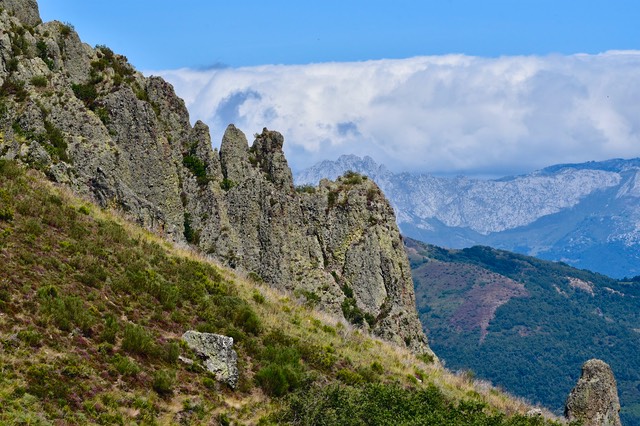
(525, 323)
(586, 215)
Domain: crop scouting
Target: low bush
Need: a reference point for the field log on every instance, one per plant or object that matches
(388, 404)
(39, 81)
(125, 366)
(137, 340)
(66, 312)
(163, 382)
(197, 167)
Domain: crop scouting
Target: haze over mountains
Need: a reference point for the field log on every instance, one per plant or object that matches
(585, 215)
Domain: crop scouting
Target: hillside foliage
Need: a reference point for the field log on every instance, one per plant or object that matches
(567, 317)
(91, 313)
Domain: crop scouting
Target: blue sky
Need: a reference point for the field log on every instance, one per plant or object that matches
(163, 34)
(484, 88)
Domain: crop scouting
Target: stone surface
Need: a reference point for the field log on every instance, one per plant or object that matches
(594, 400)
(25, 10)
(126, 141)
(217, 353)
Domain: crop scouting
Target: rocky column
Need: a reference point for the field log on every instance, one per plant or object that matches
(594, 400)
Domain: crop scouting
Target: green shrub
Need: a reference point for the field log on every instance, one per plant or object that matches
(283, 371)
(66, 29)
(320, 357)
(197, 167)
(209, 383)
(223, 420)
(136, 339)
(12, 65)
(277, 380)
(352, 312)
(258, 297)
(385, 404)
(6, 214)
(125, 366)
(103, 115)
(163, 382)
(349, 377)
(306, 189)
(227, 184)
(39, 81)
(247, 319)
(15, 88)
(110, 330)
(44, 382)
(87, 93)
(332, 197)
(43, 53)
(30, 336)
(352, 178)
(170, 352)
(66, 312)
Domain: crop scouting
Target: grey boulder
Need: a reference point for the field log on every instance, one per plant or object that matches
(217, 353)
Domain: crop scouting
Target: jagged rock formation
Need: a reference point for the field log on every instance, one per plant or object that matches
(87, 119)
(585, 215)
(25, 10)
(594, 400)
(217, 353)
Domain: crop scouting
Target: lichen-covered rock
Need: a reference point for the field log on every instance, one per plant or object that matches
(25, 10)
(594, 400)
(217, 353)
(87, 119)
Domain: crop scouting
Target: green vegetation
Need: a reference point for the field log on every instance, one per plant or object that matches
(535, 340)
(227, 184)
(379, 404)
(87, 93)
(39, 81)
(43, 53)
(191, 235)
(98, 307)
(15, 88)
(306, 189)
(352, 178)
(197, 167)
(66, 29)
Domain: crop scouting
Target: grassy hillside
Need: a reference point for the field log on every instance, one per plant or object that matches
(91, 313)
(525, 323)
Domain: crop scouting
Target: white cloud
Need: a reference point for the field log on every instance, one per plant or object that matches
(443, 114)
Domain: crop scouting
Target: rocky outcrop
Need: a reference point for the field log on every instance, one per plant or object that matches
(594, 400)
(217, 353)
(25, 10)
(87, 119)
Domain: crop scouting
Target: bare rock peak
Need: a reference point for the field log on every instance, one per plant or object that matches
(594, 400)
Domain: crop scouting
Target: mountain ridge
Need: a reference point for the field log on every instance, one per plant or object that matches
(523, 322)
(518, 213)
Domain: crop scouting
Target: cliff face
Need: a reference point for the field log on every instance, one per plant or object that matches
(87, 119)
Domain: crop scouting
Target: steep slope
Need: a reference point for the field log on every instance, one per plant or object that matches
(582, 214)
(524, 323)
(91, 313)
(88, 120)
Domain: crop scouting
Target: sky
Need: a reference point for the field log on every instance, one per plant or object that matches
(490, 87)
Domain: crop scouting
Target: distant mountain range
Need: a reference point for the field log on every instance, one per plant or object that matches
(524, 323)
(586, 215)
